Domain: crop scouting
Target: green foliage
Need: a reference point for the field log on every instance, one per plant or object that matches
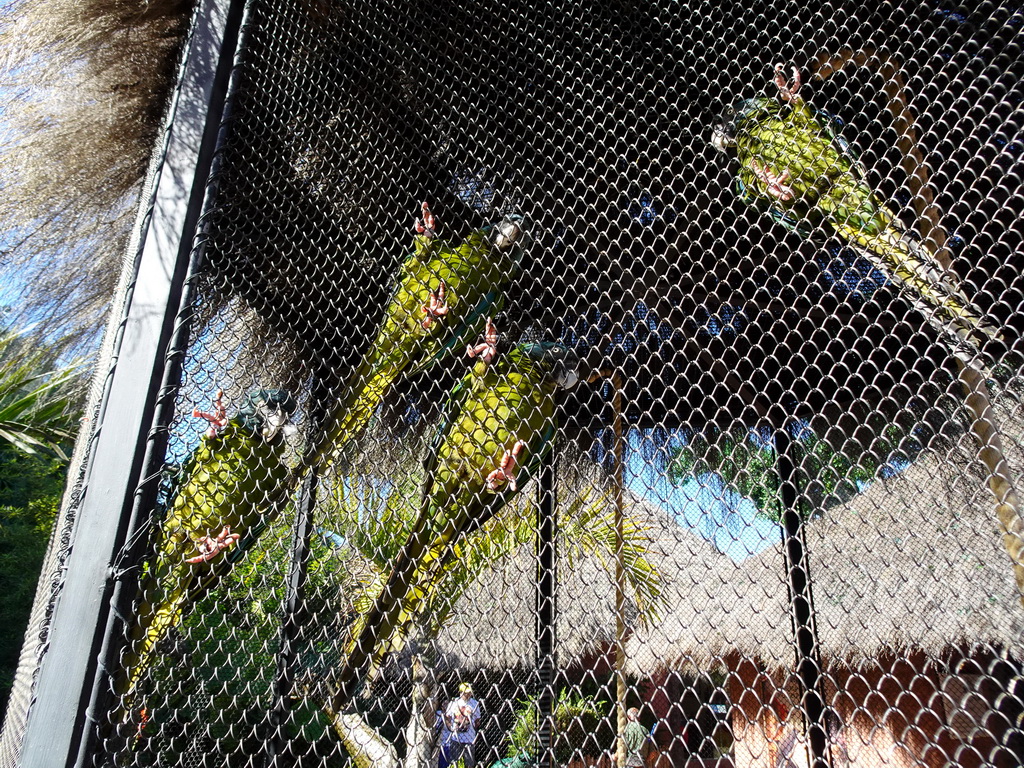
(39, 397)
(745, 459)
(30, 492)
(233, 636)
(575, 716)
(38, 415)
(375, 517)
(28, 478)
(586, 526)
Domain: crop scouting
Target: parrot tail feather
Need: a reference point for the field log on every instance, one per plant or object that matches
(956, 338)
(929, 288)
(164, 619)
(152, 627)
(363, 402)
(374, 632)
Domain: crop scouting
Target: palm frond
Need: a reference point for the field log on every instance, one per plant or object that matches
(39, 399)
(471, 559)
(587, 526)
(375, 515)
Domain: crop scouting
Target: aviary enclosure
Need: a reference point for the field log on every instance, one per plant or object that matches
(592, 357)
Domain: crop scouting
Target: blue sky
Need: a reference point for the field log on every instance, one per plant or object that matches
(703, 505)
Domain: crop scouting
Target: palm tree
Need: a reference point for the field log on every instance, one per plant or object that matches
(39, 396)
(375, 517)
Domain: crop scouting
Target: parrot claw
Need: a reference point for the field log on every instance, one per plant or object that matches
(218, 418)
(210, 547)
(486, 350)
(437, 307)
(143, 721)
(774, 182)
(506, 471)
(787, 92)
(427, 226)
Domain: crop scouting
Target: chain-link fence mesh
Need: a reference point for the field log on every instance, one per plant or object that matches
(679, 426)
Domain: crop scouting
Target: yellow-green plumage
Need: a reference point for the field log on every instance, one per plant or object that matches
(228, 480)
(492, 409)
(825, 184)
(475, 275)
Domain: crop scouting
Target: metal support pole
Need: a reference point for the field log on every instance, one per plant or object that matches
(291, 625)
(618, 455)
(620, 577)
(137, 403)
(808, 660)
(546, 612)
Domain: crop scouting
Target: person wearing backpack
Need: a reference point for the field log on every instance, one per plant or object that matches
(462, 717)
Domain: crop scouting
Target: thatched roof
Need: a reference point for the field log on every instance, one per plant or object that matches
(86, 84)
(914, 562)
(495, 625)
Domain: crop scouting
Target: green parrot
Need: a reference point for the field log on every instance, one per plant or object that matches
(498, 427)
(219, 495)
(794, 165)
(440, 300)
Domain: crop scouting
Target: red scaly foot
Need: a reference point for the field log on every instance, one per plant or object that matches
(436, 307)
(775, 183)
(427, 226)
(209, 547)
(486, 350)
(218, 419)
(506, 471)
(787, 92)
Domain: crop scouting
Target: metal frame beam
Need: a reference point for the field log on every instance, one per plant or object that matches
(546, 593)
(138, 395)
(805, 632)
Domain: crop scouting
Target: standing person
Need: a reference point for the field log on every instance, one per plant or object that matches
(462, 717)
(782, 739)
(443, 757)
(635, 737)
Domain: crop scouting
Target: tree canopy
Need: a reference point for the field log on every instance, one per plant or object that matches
(746, 459)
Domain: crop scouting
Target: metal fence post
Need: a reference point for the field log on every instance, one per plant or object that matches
(808, 659)
(546, 612)
(291, 624)
(137, 401)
